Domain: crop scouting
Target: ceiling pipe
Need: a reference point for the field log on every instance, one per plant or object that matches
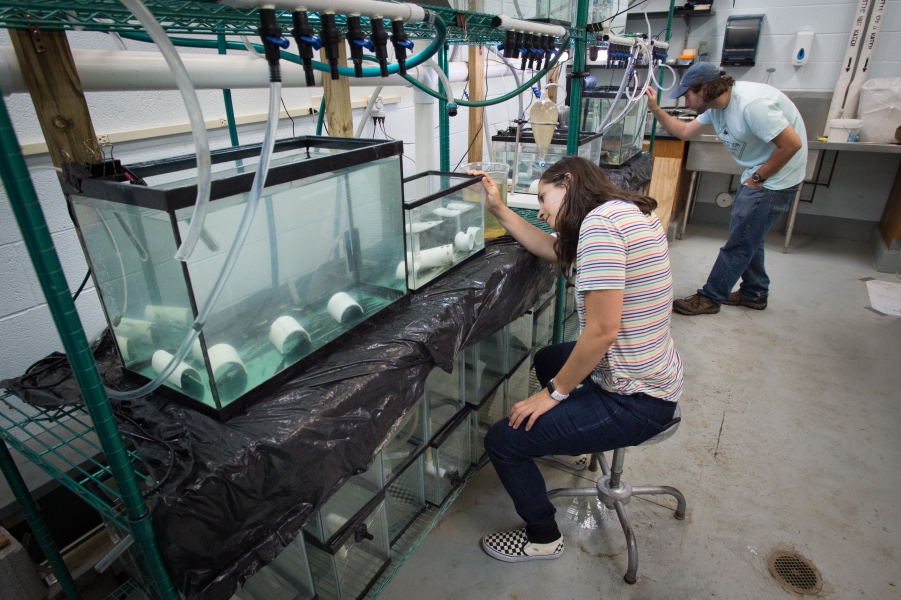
(134, 71)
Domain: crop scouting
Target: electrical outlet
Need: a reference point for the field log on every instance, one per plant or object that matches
(223, 122)
(102, 138)
(378, 114)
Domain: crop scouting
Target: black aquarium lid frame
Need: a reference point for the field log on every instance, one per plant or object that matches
(356, 152)
(526, 137)
(469, 180)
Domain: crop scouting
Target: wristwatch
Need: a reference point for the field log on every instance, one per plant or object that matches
(554, 393)
(757, 178)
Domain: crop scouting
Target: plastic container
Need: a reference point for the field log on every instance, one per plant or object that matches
(285, 578)
(405, 500)
(445, 395)
(320, 258)
(332, 520)
(347, 568)
(444, 221)
(499, 172)
(844, 130)
(448, 458)
(880, 110)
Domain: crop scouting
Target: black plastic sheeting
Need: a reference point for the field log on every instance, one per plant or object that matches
(241, 490)
(632, 175)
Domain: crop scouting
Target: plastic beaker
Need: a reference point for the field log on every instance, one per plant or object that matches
(499, 173)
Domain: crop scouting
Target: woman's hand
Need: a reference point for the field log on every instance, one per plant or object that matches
(531, 408)
(493, 195)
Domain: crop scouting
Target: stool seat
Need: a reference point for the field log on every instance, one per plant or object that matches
(668, 431)
(614, 492)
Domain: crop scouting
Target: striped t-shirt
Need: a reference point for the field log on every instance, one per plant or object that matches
(620, 248)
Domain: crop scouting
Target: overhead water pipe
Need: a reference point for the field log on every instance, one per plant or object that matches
(408, 13)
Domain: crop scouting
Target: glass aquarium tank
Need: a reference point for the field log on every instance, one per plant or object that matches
(320, 258)
(624, 139)
(444, 222)
(527, 168)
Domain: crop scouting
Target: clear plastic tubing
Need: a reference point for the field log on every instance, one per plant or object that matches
(198, 127)
(253, 201)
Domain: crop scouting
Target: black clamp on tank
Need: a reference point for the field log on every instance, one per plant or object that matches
(331, 37)
(401, 45)
(307, 42)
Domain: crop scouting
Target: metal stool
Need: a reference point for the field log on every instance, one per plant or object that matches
(614, 492)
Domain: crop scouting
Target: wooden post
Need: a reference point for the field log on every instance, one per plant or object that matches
(57, 94)
(552, 77)
(338, 114)
(890, 224)
(476, 92)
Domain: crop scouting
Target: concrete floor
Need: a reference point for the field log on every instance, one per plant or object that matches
(790, 439)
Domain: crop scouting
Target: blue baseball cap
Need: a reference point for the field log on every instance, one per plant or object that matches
(702, 72)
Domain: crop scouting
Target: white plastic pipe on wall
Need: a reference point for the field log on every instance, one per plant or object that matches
(133, 71)
(410, 13)
(425, 116)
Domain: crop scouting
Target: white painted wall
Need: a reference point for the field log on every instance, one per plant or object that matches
(26, 330)
(829, 19)
(861, 182)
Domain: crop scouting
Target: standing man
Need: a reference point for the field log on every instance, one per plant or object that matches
(764, 132)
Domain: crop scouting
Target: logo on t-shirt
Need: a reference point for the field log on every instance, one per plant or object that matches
(735, 148)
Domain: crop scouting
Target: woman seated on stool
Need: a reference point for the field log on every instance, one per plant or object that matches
(618, 384)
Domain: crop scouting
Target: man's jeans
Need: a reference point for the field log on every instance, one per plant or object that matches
(590, 420)
(753, 214)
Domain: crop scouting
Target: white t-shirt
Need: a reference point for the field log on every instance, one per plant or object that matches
(755, 115)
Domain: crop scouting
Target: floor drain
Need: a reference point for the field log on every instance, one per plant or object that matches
(795, 573)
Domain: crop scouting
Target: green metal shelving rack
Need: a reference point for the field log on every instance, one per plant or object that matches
(81, 446)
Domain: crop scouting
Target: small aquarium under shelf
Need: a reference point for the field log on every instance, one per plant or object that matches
(444, 221)
(320, 258)
(623, 140)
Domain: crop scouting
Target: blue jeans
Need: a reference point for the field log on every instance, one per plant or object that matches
(590, 420)
(753, 214)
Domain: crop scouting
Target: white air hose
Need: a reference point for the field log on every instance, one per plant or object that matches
(253, 201)
(195, 116)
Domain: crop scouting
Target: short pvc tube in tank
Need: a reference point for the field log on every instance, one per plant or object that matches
(184, 377)
(344, 308)
(228, 369)
(464, 241)
(287, 335)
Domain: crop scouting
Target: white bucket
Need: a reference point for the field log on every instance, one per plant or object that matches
(844, 130)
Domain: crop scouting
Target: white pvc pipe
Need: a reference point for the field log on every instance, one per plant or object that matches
(138, 71)
(619, 40)
(506, 23)
(410, 13)
(425, 117)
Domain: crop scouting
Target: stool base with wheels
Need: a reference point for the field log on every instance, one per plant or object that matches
(614, 492)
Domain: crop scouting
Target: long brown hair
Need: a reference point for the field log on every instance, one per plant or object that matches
(586, 188)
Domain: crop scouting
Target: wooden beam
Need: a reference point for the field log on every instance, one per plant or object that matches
(476, 92)
(338, 114)
(890, 224)
(57, 95)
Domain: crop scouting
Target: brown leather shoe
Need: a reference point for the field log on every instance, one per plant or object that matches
(696, 305)
(736, 299)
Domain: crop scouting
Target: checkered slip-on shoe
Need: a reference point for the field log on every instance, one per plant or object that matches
(514, 546)
(574, 463)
